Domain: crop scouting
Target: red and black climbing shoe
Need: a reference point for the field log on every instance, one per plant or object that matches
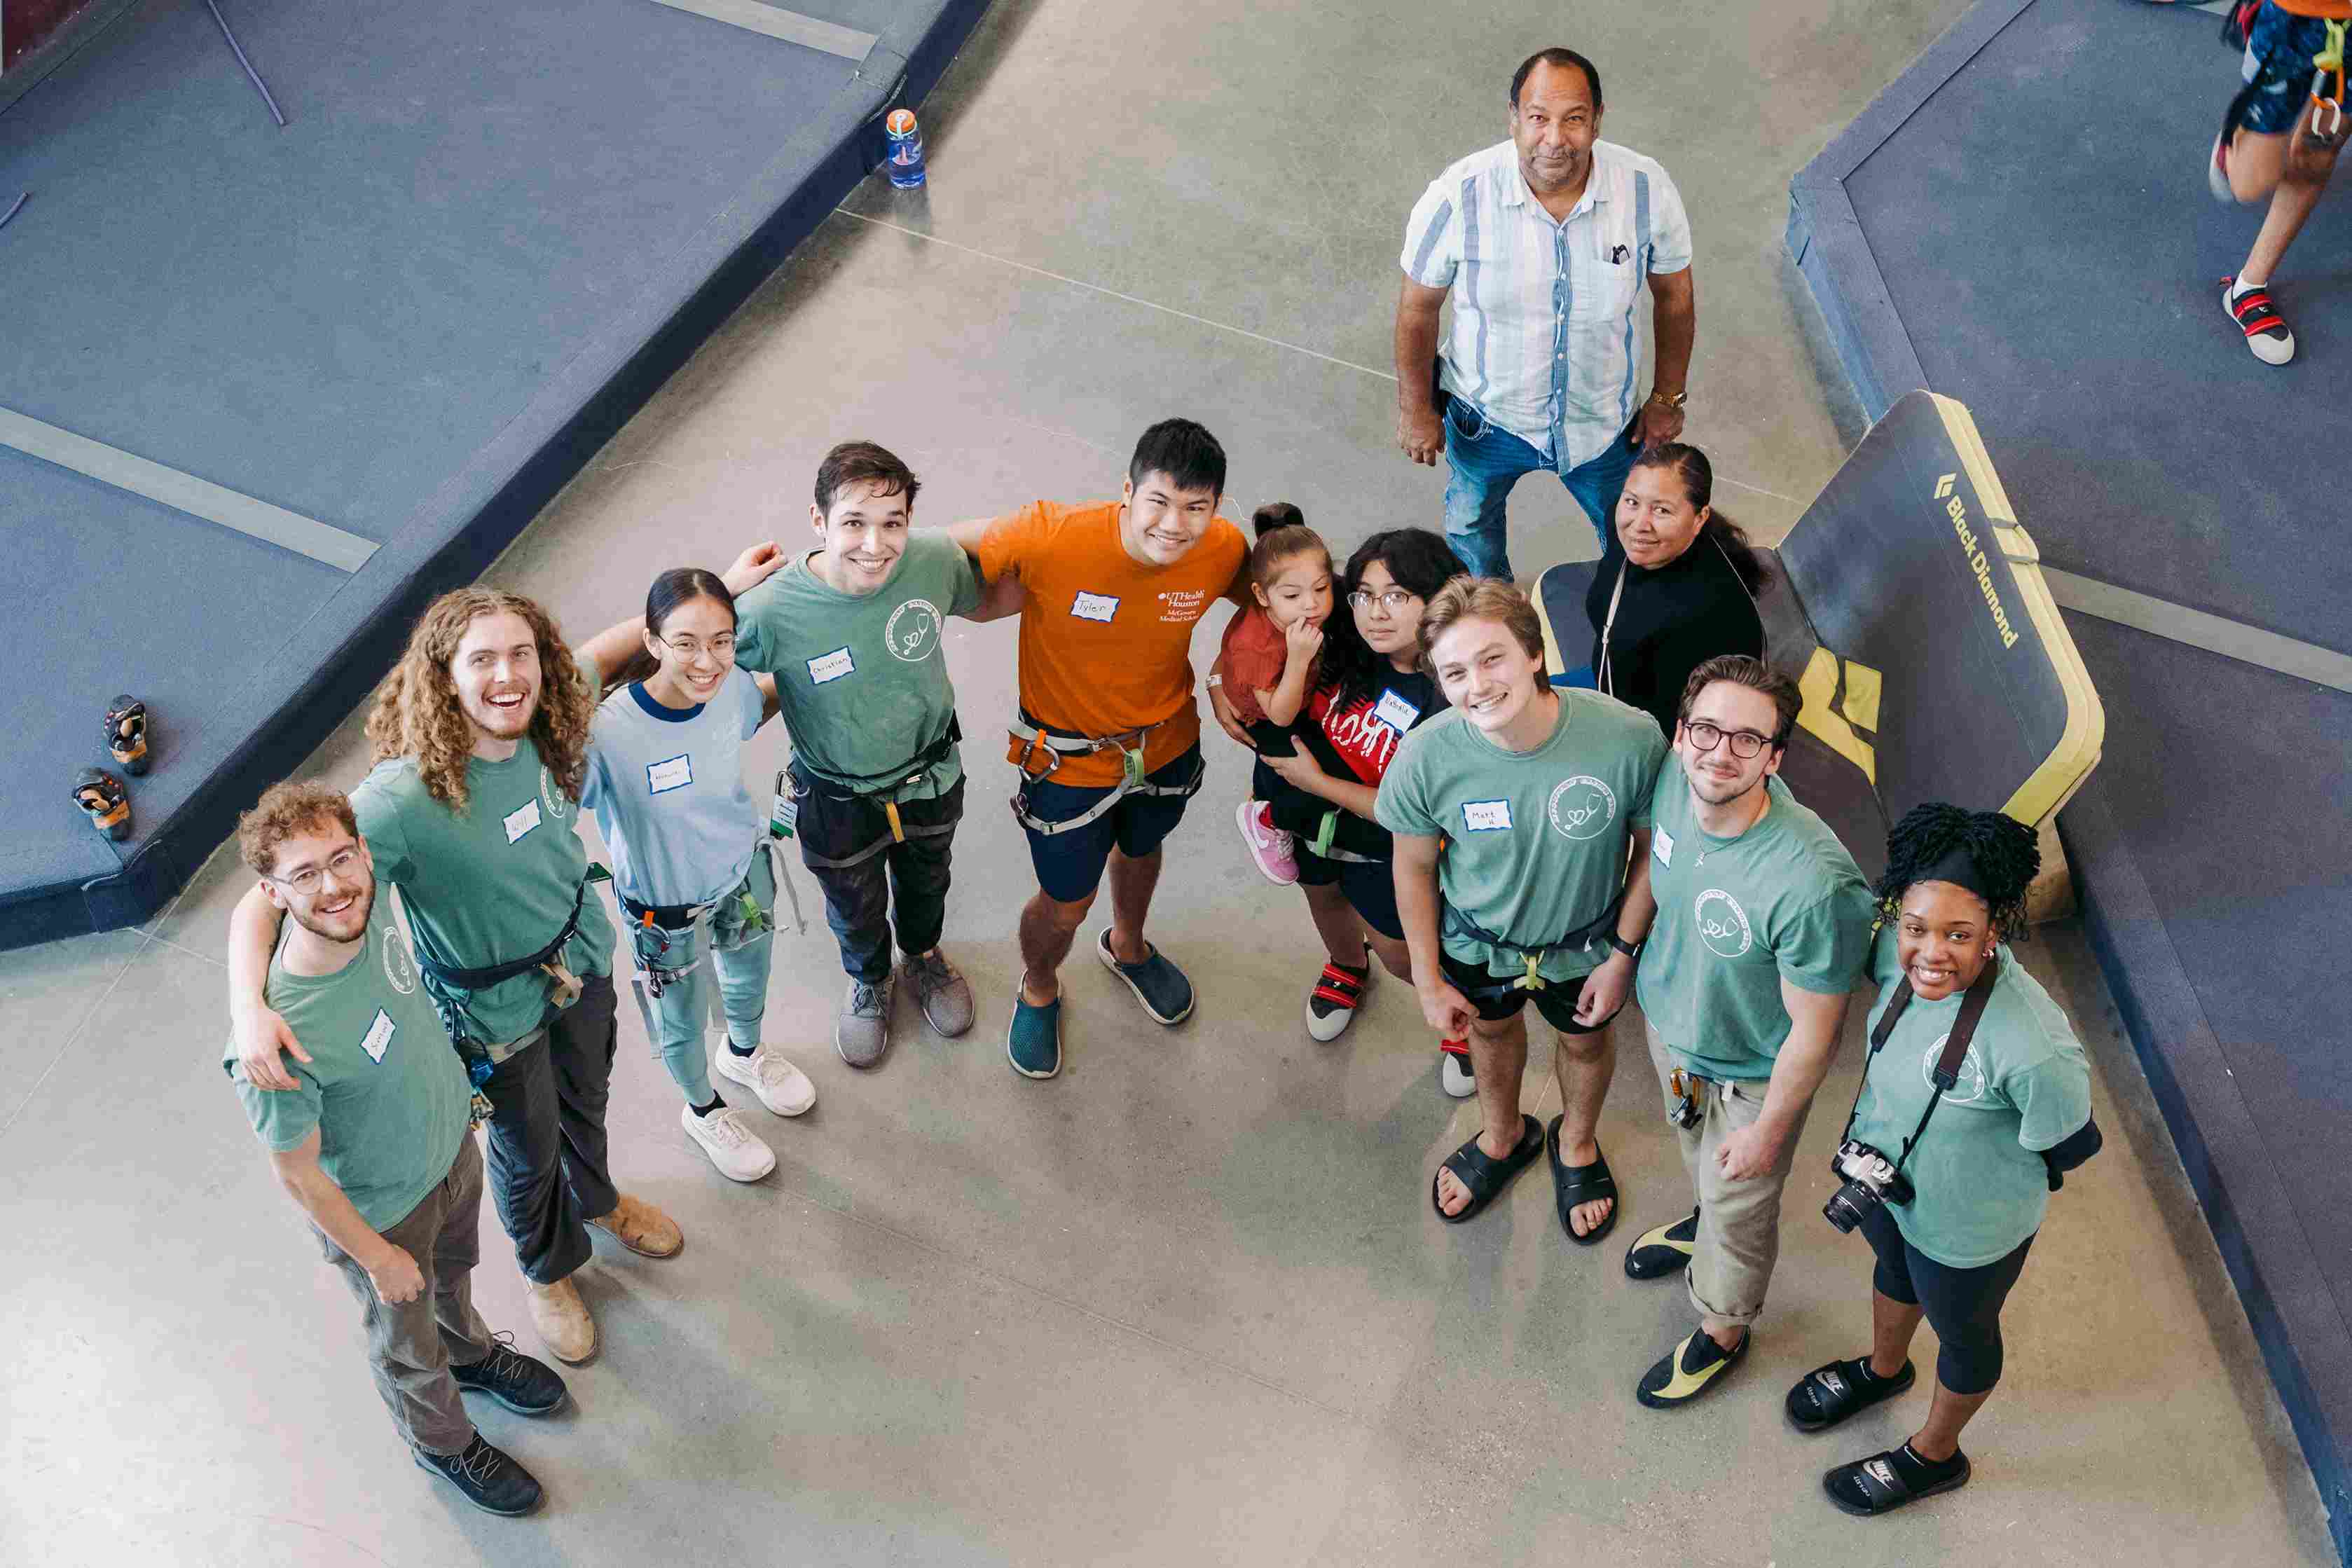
(2259, 319)
(126, 733)
(1338, 991)
(104, 801)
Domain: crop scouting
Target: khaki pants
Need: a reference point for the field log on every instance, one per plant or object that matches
(412, 1346)
(1739, 1222)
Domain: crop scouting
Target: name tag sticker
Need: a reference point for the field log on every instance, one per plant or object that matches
(830, 666)
(1485, 815)
(1395, 712)
(378, 1039)
(1095, 607)
(675, 774)
(523, 819)
(1661, 847)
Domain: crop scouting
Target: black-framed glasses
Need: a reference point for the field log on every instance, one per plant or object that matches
(720, 647)
(1746, 745)
(344, 863)
(1392, 599)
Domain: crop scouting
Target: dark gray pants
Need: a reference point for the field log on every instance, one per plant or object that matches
(412, 1346)
(548, 1171)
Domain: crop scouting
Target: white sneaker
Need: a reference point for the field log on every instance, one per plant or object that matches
(782, 1087)
(732, 1147)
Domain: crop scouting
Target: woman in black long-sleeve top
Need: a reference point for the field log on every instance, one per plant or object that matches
(1677, 586)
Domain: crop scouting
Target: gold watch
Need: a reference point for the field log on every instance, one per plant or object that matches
(1670, 399)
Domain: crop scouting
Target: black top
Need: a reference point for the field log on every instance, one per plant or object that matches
(1356, 742)
(1671, 620)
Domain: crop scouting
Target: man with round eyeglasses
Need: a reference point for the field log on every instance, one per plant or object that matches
(1763, 925)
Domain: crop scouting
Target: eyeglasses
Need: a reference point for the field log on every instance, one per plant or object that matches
(1393, 600)
(344, 864)
(1744, 744)
(722, 646)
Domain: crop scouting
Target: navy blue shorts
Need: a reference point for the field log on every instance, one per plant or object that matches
(1070, 865)
(1369, 886)
(2278, 70)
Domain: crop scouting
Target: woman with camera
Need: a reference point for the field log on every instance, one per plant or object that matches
(1975, 1097)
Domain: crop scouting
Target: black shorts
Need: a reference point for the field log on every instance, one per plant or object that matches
(1962, 1305)
(1557, 1000)
(1369, 886)
(1070, 865)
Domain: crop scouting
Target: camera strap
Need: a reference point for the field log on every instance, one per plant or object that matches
(1947, 1066)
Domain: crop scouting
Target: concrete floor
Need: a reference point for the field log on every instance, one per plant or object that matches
(1186, 1304)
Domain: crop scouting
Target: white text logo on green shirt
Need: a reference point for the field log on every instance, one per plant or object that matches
(1722, 924)
(557, 806)
(1581, 807)
(399, 964)
(912, 632)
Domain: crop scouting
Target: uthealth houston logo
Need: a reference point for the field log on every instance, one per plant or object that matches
(1957, 510)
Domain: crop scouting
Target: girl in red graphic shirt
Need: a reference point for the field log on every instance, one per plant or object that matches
(1371, 690)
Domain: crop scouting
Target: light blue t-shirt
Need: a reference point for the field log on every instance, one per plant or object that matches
(667, 788)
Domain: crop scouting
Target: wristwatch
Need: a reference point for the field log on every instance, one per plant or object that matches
(1630, 949)
(1670, 399)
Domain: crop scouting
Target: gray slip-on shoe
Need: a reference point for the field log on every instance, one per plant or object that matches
(861, 1030)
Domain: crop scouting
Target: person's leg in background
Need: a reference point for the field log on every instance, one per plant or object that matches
(1483, 461)
(1596, 481)
(2269, 153)
(921, 871)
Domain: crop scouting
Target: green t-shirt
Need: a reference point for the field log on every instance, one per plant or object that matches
(1535, 840)
(383, 1087)
(862, 681)
(1737, 916)
(2025, 1085)
(489, 884)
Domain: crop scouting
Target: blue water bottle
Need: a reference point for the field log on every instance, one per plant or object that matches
(905, 163)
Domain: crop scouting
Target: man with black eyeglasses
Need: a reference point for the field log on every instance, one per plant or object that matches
(1763, 925)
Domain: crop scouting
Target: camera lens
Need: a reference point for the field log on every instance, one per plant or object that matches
(1848, 1206)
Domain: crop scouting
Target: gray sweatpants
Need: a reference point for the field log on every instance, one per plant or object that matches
(412, 1346)
(1739, 1222)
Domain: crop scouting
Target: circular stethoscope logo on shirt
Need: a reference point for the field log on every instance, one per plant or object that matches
(399, 964)
(1581, 807)
(1972, 1088)
(912, 632)
(552, 797)
(1722, 924)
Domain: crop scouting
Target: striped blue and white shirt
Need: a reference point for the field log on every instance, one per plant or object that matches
(1544, 340)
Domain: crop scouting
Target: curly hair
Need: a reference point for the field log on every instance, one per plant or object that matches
(416, 713)
(2002, 850)
(285, 809)
(1420, 561)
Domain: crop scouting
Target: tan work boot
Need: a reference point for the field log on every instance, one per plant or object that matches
(562, 1319)
(642, 1228)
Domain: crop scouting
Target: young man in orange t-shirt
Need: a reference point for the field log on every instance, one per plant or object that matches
(1107, 738)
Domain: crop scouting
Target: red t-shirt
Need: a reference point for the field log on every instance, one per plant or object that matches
(1251, 659)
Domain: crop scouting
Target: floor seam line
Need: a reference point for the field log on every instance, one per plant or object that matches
(75, 1034)
(1100, 1316)
(190, 951)
(1389, 376)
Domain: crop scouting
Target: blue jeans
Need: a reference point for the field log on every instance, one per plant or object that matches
(1485, 461)
(739, 948)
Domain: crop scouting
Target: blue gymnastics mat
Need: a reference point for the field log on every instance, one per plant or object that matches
(2021, 222)
(486, 235)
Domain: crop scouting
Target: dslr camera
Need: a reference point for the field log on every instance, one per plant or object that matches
(1871, 1180)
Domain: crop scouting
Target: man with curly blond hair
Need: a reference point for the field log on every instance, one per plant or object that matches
(479, 739)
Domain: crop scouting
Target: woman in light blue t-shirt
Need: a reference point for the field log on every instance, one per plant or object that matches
(691, 863)
(1977, 1162)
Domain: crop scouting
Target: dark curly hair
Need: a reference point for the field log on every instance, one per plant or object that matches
(1420, 561)
(2002, 851)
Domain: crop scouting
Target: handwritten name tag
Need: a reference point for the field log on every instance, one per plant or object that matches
(522, 819)
(675, 774)
(378, 1039)
(830, 666)
(1662, 845)
(1095, 607)
(1395, 712)
(1485, 815)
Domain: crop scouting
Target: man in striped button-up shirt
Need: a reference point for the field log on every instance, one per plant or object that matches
(1543, 243)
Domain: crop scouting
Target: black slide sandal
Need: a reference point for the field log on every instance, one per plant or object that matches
(1575, 1184)
(1868, 1488)
(1829, 1394)
(1486, 1177)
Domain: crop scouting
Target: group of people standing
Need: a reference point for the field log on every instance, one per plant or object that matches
(1486, 834)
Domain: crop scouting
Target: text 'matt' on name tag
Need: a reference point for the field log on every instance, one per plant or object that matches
(1095, 607)
(1485, 815)
(675, 774)
(523, 819)
(830, 666)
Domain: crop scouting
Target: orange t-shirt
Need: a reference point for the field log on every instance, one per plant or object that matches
(1106, 642)
(2324, 10)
